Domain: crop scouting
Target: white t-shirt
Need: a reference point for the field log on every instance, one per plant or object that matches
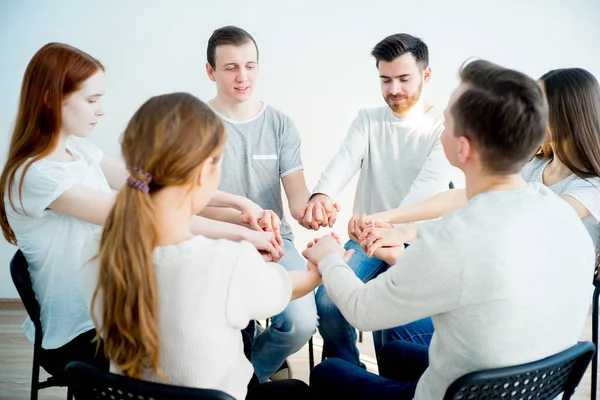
(208, 290)
(586, 191)
(401, 160)
(52, 242)
(503, 284)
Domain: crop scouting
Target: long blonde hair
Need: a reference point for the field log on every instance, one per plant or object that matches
(163, 145)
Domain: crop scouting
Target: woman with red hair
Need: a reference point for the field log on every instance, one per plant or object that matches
(57, 187)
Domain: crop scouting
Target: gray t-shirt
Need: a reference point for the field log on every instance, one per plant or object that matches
(586, 191)
(258, 153)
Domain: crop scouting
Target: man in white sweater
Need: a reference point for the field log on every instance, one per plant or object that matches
(398, 152)
(505, 279)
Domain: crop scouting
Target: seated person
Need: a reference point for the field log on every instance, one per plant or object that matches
(568, 162)
(168, 304)
(487, 274)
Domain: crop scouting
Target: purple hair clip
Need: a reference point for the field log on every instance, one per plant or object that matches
(138, 184)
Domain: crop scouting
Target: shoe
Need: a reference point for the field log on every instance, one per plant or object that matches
(284, 372)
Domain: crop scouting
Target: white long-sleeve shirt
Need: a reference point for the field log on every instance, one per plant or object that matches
(506, 280)
(401, 160)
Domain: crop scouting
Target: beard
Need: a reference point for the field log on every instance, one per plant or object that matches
(408, 103)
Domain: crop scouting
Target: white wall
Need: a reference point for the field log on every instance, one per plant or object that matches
(314, 56)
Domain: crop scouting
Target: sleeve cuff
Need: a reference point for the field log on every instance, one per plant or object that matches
(331, 261)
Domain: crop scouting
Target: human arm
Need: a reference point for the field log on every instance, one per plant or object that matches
(423, 282)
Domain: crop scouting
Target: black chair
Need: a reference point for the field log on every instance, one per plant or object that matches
(595, 334)
(19, 271)
(87, 382)
(543, 379)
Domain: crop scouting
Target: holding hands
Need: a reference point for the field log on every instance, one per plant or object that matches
(320, 211)
(267, 238)
(318, 249)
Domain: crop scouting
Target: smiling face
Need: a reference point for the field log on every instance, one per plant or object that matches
(83, 108)
(402, 82)
(235, 71)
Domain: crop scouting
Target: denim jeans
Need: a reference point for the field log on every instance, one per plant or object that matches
(401, 365)
(339, 336)
(288, 331)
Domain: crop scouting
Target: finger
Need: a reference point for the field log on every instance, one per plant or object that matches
(372, 249)
(308, 218)
(254, 223)
(332, 217)
(325, 219)
(348, 255)
(365, 233)
(336, 206)
(336, 237)
(364, 246)
(351, 227)
(301, 215)
(275, 221)
(319, 213)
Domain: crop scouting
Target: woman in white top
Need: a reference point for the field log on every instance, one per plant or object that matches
(170, 304)
(56, 189)
(568, 162)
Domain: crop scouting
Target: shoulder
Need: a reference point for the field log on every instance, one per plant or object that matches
(85, 149)
(532, 166)
(277, 116)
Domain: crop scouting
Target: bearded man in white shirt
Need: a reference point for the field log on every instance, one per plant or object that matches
(398, 152)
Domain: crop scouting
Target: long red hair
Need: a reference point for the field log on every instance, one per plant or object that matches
(55, 71)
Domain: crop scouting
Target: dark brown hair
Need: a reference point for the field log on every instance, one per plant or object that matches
(503, 112)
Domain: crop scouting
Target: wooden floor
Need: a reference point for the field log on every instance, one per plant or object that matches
(16, 354)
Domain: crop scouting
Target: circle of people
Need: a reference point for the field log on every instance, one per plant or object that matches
(158, 267)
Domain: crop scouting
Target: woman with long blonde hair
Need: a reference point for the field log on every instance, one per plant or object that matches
(169, 304)
(56, 189)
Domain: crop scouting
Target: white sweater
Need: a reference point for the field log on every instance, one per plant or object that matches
(208, 291)
(401, 160)
(506, 280)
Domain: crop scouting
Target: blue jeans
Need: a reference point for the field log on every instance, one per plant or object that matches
(288, 331)
(401, 365)
(339, 336)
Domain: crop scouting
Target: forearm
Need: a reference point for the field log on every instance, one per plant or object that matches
(217, 229)
(228, 215)
(297, 200)
(223, 199)
(303, 282)
(430, 208)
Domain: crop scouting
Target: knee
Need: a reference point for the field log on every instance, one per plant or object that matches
(322, 373)
(299, 322)
(325, 306)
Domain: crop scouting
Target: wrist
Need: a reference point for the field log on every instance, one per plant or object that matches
(319, 196)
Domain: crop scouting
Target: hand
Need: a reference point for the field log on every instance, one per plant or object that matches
(374, 238)
(266, 244)
(321, 248)
(313, 267)
(356, 225)
(389, 255)
(319, 212)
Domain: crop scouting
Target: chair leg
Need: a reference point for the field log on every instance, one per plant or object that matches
(595, 340)
(311, 355)
(35, 376)
(359, 336)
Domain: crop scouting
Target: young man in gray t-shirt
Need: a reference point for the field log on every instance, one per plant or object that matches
(262, 153)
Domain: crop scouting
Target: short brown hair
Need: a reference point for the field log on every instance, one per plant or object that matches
(504, 113)
(227, 35)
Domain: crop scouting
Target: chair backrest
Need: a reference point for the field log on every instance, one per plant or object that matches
(87, 382)
(543, 379)
(19, 271)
